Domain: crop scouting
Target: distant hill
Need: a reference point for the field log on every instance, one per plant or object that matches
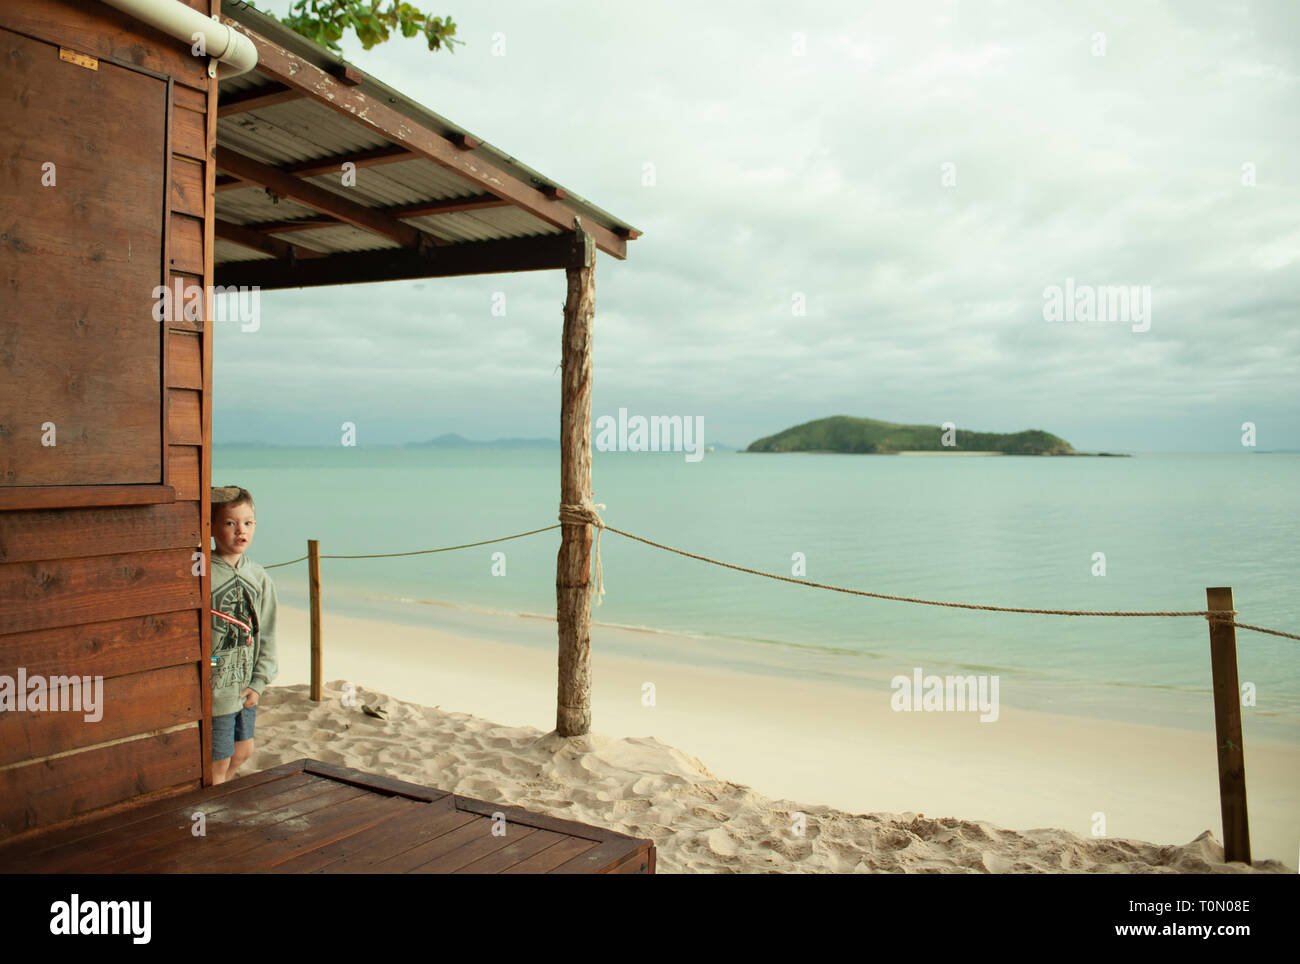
(866, 436)
(453, 441)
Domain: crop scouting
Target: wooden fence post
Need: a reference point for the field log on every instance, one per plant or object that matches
(573, 564)
(313, 587)
(1227, 728)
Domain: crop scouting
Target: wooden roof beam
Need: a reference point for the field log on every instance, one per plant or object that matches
(291, 70)
(319, 199)
(417, 210)
(569, 250)
(388, 154)
(256, 98)
(257, 241)
(300, 224)
(347, 75)
(451, 205)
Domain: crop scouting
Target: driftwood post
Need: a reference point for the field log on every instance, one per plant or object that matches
(313, 588)
(573, 565)
(1227, 729)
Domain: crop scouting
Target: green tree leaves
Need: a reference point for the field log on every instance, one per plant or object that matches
(325, 21)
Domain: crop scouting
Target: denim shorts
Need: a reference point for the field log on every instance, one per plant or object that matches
(230, 729)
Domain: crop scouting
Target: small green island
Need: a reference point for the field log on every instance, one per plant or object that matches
(867, 436)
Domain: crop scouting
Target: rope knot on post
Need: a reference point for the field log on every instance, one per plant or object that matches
(584, 513)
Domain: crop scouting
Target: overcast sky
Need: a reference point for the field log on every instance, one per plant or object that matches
(1117, 159)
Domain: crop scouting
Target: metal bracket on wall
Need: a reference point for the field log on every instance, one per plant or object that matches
(212, 61)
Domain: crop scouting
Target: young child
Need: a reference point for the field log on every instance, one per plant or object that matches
(243, 631)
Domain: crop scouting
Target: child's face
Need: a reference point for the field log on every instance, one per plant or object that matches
(232, 529)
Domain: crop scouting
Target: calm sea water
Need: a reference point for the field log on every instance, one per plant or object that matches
(1003, 531)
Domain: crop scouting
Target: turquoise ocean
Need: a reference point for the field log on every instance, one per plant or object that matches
(996, 530)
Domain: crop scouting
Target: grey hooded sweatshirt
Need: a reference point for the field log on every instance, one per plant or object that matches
(243, 632)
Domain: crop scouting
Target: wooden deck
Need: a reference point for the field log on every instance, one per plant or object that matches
(312, 817)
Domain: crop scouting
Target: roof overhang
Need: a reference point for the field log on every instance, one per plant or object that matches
(328, 176)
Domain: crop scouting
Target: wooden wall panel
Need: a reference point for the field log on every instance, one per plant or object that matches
(185, 244)
(196, 101)
(184, 422)
(125, 705)
(180, 322)
(103, 592)
(15, 498)
(184, 470)
(187, 131)
(80, 262)
(101, 31)
(185, 360)
(42, 595)
(187, 186)
(78, 533)
(47, 792)
(117, 647)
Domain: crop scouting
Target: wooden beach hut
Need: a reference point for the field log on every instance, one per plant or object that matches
(139, 169)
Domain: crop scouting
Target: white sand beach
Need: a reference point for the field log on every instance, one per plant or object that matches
(878, 790)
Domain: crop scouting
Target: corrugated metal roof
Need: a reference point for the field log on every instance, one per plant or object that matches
(252, 205)
(300, 130)
(341, 237)
(228, 251)
(303, 130)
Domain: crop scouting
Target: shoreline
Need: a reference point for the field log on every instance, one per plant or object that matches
(813, 740)
(1178, 706)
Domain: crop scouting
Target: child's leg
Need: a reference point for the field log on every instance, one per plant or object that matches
(223, 733)
(243, 750)
(245, 723)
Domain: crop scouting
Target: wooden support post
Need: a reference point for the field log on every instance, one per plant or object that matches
(313, 587)
(1227, 728)
(573, 565)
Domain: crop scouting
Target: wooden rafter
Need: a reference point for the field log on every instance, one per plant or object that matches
(452, 205)
(347, 75)
(319, 199)
(258, 241)
(309, 223)
(417, 210)
(388, 154)
(478, 257)
(293, 71)
(256, 98)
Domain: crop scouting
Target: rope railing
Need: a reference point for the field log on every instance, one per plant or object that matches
(419, 552)
(1261, 629)
(586, 514)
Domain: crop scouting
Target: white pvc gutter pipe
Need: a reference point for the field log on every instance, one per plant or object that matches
(172, 17)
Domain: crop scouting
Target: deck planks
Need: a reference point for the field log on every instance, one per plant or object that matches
(141, 837)
(144, 847)
(312, 817)
(55, 837)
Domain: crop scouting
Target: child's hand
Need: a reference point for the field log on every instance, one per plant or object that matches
(250, 697)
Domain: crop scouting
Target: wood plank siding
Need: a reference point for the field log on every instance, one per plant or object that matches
(99, 531)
